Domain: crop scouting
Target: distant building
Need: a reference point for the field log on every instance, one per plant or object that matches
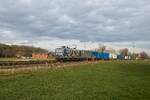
(39, 56)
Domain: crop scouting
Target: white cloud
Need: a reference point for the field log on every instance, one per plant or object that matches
(7, 34)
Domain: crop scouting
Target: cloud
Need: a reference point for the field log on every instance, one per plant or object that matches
(82, 20)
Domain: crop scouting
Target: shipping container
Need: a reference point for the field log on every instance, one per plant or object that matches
(112, 56)
(104, 56)
(99, 55)
(120, 57)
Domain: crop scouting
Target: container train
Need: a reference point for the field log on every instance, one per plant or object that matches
(71, 54)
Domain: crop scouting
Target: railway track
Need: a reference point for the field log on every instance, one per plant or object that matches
(33, 64)
(17, 64)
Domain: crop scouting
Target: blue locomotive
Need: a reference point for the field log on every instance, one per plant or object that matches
(72, 54)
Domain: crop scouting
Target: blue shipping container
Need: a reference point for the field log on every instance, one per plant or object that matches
(94, 53)
(120, 57)
(98, 55)
(103, 56)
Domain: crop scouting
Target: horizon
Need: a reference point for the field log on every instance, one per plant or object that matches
(89, 46)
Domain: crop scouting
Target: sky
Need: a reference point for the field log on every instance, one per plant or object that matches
(85, 23)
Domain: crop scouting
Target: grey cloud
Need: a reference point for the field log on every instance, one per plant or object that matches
(84, 20)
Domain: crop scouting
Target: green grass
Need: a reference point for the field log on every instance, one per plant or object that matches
(128, 80)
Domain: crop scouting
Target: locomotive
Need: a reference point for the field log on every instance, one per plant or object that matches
(67, 54)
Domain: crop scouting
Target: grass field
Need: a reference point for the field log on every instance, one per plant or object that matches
(127, 80)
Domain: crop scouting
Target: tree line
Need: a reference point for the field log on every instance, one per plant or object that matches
(18, 51)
